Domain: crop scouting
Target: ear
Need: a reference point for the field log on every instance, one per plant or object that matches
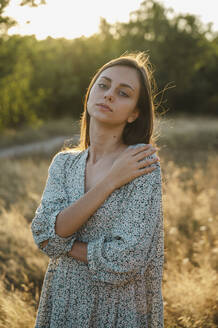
(133, 116)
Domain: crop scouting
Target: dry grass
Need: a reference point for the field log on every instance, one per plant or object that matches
(64, 127)
(22, 268)
(16, 308)
(191, 226)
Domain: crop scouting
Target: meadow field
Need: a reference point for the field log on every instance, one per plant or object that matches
(189, 160)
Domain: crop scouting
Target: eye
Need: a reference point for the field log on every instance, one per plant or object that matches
(123, 94)
(102, 85)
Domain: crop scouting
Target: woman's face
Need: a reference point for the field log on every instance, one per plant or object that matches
(114, 96)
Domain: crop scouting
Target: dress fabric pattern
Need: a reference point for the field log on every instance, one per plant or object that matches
(121, 285)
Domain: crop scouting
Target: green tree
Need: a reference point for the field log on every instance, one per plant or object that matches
(19, 102)
(49, 78)
(179, 49)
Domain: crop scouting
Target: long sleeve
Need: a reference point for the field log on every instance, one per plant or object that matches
(54, 200)
(153, 283)
(132, 244)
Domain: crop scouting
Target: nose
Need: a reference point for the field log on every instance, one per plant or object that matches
(109, 96)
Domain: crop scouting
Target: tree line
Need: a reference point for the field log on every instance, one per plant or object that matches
(49, 78)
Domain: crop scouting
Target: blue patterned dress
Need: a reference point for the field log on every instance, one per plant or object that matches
(120, 286)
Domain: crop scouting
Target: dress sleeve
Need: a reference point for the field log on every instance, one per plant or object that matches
(53, 201)
(153, 283)
(132, 244)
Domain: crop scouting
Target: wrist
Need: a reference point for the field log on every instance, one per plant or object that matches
(73, 248)
(109, 184)
(79, 251)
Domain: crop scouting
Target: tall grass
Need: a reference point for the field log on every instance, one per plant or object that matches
(190, 198)
(191, 226)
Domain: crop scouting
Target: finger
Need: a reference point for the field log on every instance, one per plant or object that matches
(140, 149)
(144, 154)
(146, 163)
(146, 170)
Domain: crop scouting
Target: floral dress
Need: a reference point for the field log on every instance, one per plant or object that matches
(120, 286)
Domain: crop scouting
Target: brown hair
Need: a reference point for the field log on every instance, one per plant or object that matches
(140, 130)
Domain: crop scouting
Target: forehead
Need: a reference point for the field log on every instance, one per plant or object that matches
(122, 74)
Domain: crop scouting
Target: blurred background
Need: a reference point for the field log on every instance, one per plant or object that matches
(49, 50)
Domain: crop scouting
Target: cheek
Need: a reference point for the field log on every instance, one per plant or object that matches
(92, 95)
(128, 106)
(90, 98)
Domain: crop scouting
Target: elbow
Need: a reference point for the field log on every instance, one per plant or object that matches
(44, 244)
(48, 250)
(60, 232)
(60, 229)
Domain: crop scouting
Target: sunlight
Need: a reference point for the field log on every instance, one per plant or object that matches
(206, 11)
(66, 18)
(72, 19)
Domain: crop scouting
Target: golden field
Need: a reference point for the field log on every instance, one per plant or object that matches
(190, 197)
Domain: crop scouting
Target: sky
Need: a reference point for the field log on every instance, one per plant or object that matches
(71, 19)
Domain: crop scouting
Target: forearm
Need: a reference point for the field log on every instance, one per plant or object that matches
(79, 251)
(73, 217)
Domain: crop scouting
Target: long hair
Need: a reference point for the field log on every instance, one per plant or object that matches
(140, 130)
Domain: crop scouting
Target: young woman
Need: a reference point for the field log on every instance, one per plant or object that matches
(100, 217)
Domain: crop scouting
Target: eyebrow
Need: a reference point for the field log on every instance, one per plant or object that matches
(121, 84)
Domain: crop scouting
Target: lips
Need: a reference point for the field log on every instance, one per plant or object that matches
(104, 106)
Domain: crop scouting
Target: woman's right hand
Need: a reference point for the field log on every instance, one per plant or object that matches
(130, 164)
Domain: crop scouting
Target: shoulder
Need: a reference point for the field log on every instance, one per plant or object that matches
(151, 178)
(63, 159)
(142, 144)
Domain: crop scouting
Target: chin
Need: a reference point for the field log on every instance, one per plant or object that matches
(101, 117)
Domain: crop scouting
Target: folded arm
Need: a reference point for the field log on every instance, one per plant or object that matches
(127, 251)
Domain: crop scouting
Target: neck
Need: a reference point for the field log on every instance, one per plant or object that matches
(105, 141)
